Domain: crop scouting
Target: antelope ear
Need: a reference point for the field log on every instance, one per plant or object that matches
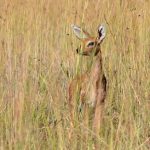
(80, 33)
(101, 33)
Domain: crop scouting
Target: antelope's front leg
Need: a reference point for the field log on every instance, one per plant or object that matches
(98, 116)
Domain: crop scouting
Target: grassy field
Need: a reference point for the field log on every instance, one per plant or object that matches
(38, 59)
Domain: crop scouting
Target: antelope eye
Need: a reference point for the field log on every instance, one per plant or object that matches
(90, 44)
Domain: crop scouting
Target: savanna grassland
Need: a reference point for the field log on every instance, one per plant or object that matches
(38, 60)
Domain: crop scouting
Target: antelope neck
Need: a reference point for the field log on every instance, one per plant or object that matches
(95, 62)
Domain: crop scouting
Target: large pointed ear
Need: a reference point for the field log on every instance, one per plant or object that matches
(101, 33)
(80, 33)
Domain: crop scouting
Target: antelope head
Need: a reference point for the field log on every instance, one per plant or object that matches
(90, 45)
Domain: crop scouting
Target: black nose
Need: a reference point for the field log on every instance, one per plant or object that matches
(77, 50)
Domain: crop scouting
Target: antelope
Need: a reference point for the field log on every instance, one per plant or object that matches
(91, 85)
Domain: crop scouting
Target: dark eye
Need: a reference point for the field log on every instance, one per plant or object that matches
(90, 44)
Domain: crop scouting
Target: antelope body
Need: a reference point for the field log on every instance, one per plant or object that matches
(90, 86)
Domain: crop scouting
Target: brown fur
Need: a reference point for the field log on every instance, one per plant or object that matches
(90, 88)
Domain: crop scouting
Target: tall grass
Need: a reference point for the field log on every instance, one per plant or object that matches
(38, 59)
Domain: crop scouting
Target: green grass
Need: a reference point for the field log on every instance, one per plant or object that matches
(38, 59)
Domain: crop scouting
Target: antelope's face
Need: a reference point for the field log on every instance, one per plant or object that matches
(90, 45)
